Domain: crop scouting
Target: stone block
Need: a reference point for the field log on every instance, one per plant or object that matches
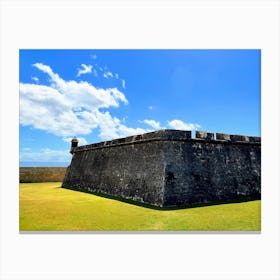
(129, 139)
(239, 138)
(222, 136)
(204, 135)
(254, 139)
(210, 136)
(201, 134)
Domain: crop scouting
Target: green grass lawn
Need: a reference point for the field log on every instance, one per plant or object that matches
(47, 206)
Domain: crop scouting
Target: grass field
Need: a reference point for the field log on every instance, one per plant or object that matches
(48, 207)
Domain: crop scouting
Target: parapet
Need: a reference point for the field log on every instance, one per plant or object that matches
(204, 135)
(172, 135)
(237, 138)
(223, 137)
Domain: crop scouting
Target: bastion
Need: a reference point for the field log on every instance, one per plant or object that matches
(169, 168)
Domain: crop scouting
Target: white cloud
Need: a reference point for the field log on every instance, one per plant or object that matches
(108, 75)
(44, 155)
(112, 127)
(56, 80)
(150, 107)
(93, 56)
(127, 131)
(95, 74)
(35, 79)
(178, 124)
(83, 93)
(68, 108)
(123, 83)
(154, 124)
(82, 141)
(85, 69)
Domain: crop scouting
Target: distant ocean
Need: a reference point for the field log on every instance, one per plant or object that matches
(43, 164)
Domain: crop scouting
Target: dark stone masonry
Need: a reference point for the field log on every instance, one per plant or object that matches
(169, 168)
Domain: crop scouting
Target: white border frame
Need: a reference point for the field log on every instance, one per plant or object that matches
(139, 24)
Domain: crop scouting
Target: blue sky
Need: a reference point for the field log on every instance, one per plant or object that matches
(98, 95)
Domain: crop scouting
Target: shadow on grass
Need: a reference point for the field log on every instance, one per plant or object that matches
(163, 208)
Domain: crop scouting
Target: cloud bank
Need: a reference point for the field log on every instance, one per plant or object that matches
(71, 108)
(68, 108)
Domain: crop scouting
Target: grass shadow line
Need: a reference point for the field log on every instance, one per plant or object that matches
(163, 208)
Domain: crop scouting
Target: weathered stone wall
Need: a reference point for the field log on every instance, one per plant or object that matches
(201, 172)
(168, 167)
(41, 174)
(131, 171)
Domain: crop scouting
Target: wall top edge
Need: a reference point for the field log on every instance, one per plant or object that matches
(174, 135)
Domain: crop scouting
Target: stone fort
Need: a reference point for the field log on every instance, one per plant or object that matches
(169, 168)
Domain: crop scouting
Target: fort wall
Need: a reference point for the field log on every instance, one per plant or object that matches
(41, 174)
(169, 167)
